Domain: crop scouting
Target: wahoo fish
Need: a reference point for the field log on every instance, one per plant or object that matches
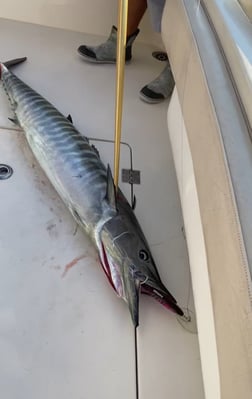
(87, 188)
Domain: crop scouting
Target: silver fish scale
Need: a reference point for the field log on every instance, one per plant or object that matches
(69, 161)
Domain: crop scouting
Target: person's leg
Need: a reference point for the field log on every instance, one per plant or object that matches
(156, 8)
(106, 52)
(160, 88)
(136, 10)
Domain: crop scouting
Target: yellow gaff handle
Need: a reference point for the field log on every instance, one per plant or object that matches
(120, 64)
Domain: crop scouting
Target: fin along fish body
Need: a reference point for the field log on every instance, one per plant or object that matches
(87, 188)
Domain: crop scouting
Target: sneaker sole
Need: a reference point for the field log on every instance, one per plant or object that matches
(150, 100)
(95, 61)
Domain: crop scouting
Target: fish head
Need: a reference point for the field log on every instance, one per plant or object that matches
(128, 263)
(126, 260)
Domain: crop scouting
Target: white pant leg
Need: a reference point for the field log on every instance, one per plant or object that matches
(156, 10)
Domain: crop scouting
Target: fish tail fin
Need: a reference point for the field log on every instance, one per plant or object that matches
(10, 63)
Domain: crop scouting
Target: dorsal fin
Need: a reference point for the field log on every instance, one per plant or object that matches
(70, 118)
(111, 192)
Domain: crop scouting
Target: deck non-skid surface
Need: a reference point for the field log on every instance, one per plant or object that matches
(63, 332)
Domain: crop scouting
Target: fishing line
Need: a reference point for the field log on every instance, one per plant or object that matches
(136, 362)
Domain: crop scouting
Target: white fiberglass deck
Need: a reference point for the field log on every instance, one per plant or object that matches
(63, 332)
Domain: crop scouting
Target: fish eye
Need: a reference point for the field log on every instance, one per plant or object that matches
(143, 255)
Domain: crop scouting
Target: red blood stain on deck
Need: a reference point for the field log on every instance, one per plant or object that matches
(71, 264)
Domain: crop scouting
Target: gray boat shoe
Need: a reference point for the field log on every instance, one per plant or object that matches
(105, 53)
(160, 88)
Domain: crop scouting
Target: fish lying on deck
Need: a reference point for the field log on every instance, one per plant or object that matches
(87, 188)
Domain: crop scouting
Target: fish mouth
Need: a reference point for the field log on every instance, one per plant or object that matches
(113, 275)
(164, 299)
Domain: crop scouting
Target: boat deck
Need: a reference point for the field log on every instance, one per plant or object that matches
(63, 332)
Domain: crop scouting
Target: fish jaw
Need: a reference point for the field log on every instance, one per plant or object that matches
(161, 296)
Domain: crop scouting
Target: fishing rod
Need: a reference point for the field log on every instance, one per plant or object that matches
(120, 66)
